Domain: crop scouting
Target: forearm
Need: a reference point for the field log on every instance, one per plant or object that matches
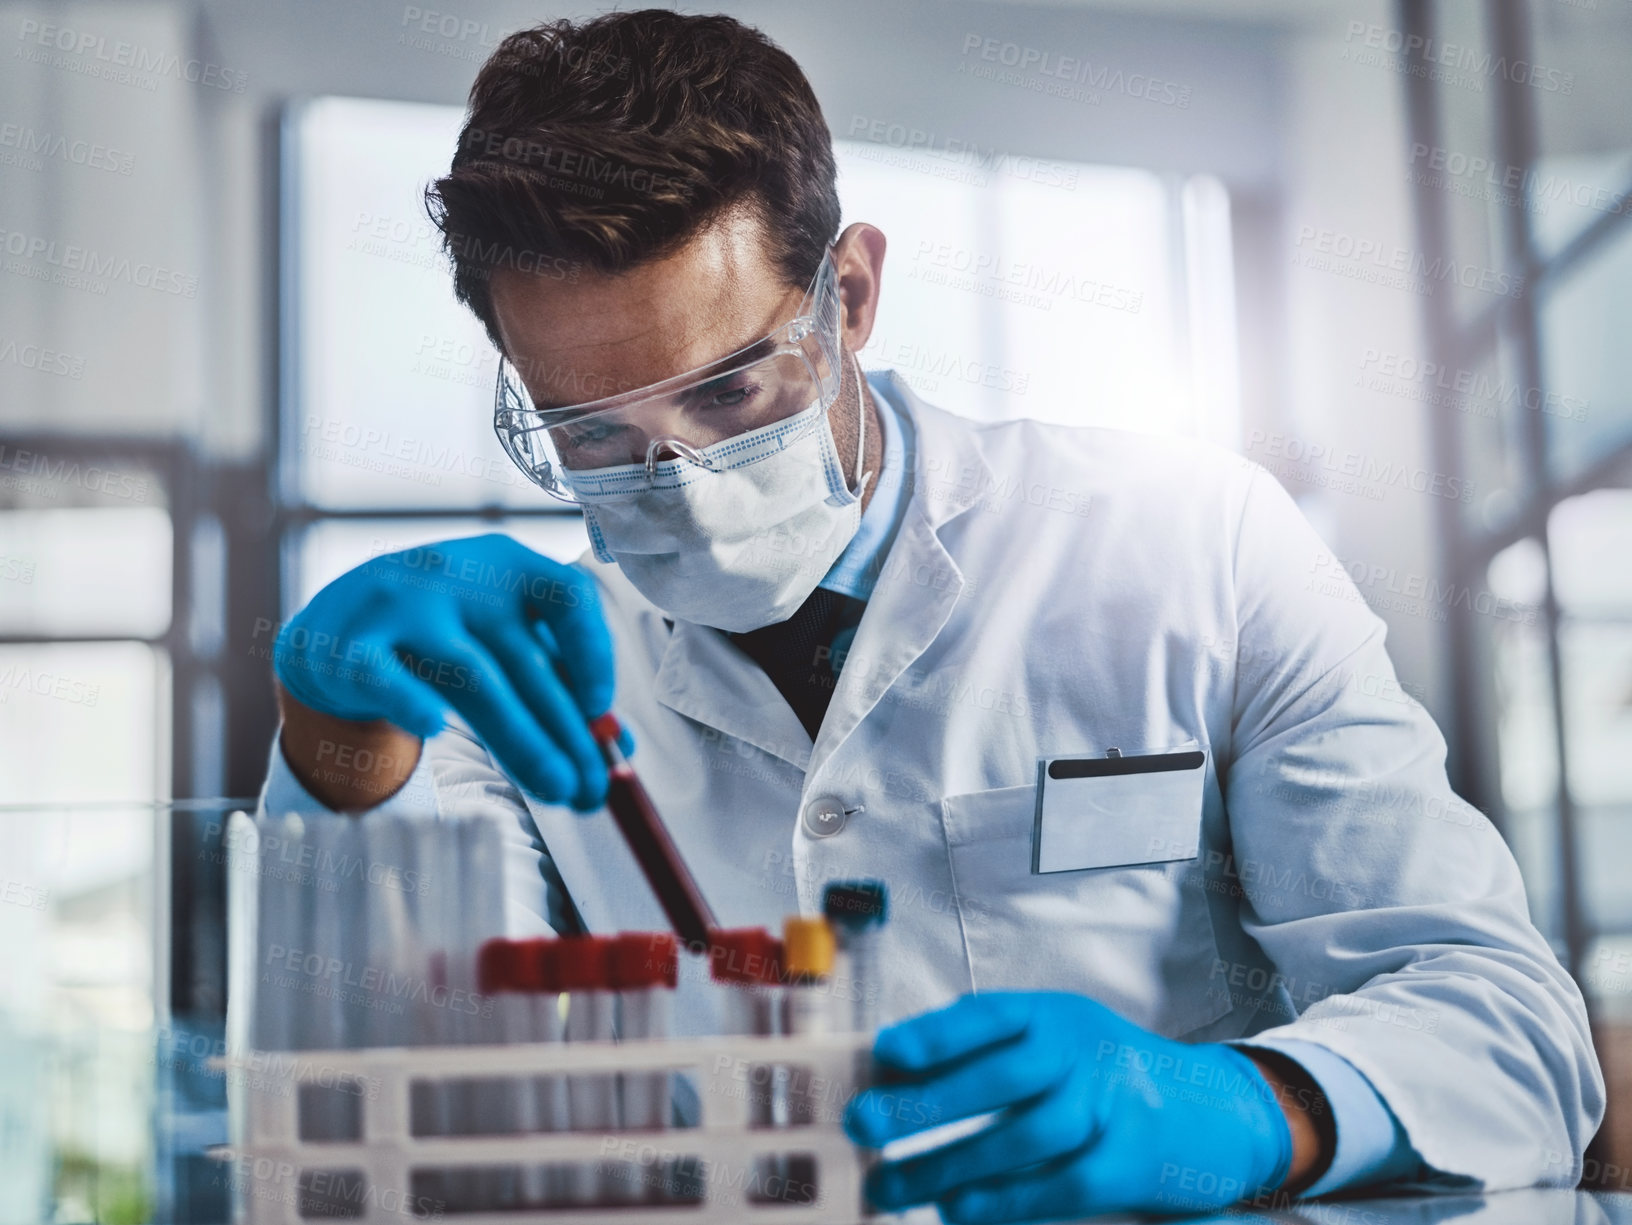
(344, 764)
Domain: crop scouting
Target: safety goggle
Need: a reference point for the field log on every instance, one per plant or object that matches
(629, 437)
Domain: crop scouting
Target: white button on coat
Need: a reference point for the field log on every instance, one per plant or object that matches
(824, 817)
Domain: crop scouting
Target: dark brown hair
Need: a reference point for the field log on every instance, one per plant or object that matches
(612, 142)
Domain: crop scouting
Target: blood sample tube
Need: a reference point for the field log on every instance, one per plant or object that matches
(584, 971)
(749, 959)
(645, 968)
(659, 859)
(538, 976)
(510, 1107)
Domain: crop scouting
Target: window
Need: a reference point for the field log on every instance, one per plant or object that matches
(1548, 427)
(87, 552)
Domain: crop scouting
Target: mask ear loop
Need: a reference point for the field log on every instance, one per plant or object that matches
(861, 432)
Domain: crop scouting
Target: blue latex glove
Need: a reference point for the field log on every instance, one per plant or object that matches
(1098, 1115)
(511, 640)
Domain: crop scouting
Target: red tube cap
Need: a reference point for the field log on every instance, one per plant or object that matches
(496, 967)
(583, 963)
(644, 959)
(744, 955)
(605, 728)
(533, 966)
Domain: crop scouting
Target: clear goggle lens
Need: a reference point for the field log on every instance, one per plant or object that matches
(769, 381)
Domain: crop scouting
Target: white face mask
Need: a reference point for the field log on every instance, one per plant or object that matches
(738, 546)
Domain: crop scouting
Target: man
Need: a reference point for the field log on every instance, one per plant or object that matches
(846, 627)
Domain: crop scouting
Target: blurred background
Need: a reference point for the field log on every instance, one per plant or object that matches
(1382, 249)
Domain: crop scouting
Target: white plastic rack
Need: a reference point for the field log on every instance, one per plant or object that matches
(270, 1159)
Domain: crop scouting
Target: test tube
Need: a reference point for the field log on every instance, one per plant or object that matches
(809, 950)
(326, 857)
(513, 1106)
(583, 966)
(434, 1021)
(521, 977)
(481, 1105)
(649, 841)
(295, 1007)
(280, 907)
(392, 918)
(857, 910)
(538, 973)
(280, 1003)
(644, 971)
(242, 843)
(749, 959)
(324, 916)
(331, 849)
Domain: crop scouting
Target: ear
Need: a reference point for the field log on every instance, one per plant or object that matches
(858, 256)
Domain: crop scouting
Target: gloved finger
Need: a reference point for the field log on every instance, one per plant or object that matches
(415, 707)
(1064, 1188)
(991, 1080)
(626, 738)
(533, 674)
(1114, 1172)
(970, 1024)
(309, 676)
(1053, 1127)
(471, 681)
(552, 648)
(572, 612)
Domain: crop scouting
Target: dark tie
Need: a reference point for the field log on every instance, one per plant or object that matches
(799, 654)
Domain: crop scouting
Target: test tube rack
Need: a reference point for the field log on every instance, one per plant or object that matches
(270, 1158)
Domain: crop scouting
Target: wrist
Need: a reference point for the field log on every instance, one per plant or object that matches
(1311, 1129)
(344, 764)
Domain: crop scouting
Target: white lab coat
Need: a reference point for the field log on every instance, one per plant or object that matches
(1058, 591)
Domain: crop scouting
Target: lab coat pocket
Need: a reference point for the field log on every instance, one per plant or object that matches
(1114, 812)
(1137, 938)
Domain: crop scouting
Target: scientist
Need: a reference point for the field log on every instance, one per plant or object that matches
(1181, 897)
